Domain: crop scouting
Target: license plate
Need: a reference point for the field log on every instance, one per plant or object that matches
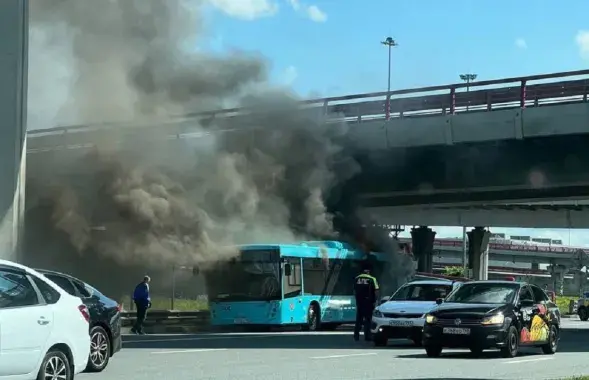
(401, 323)
(456, 331)
(240, 321)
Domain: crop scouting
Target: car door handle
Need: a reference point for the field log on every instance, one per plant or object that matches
(42, 321)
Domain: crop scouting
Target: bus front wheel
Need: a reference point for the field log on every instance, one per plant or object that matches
(313, 319)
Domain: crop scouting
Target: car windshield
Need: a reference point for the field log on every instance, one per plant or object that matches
(484, 293)
(421, 292)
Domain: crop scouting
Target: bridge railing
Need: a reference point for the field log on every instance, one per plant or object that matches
(510, 247)
(522, 92)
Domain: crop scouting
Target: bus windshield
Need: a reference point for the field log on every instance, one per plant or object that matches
(421, 292)
(249, 278)
(484, 293)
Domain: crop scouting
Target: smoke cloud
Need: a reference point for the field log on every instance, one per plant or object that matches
(159, 201)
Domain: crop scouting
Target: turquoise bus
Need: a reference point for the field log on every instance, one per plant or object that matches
(308, 284)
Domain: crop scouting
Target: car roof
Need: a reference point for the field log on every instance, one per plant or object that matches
(13, 264)
(430, 282)
(499, 282)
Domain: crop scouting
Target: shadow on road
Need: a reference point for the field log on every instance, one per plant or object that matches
(571, 341)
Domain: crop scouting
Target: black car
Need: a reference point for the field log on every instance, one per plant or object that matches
(481, 315)
(105, 319)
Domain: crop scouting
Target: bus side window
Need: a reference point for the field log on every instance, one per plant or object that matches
(293, 283)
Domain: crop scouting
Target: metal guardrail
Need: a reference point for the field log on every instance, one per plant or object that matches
(169, 318)
(439, 100)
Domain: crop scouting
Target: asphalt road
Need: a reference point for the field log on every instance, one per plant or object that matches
(330, 356)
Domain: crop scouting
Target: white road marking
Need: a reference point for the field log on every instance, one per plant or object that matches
(527, 360)
(188, 351)
(344, 356)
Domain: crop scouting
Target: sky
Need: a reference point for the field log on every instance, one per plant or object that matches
(326, 48)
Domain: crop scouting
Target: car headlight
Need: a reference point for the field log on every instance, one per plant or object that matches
(494, 320)
(430, 318)
(377, 313)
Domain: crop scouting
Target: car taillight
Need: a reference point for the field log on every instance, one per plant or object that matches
(85, 313)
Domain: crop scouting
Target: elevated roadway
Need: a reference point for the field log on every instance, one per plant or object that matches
(509, 252)
(435, 115)
(559, 215)
(514, 130)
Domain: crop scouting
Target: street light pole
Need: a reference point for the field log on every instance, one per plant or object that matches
(468, 78)
(390, 43)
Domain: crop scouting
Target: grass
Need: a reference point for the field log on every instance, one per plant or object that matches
(163, 303)
(563, 303)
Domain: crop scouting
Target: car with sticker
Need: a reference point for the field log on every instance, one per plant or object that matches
(402, 315)
(481, 315)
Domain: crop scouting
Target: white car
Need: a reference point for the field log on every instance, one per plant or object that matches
(43, 329)
(402, 316)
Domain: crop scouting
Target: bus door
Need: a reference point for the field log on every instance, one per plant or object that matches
(293, 309)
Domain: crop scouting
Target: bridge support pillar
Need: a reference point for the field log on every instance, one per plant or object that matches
(422, 240)
(557, 273)
(478, 252)
(13, 108)
(579, 281)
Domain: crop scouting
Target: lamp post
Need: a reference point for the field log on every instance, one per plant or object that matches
(468, 78)
(390, 43)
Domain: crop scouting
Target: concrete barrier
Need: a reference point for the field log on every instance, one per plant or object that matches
(169, 321)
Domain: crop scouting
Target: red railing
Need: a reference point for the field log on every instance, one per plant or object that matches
(438, 100)
(509, 247)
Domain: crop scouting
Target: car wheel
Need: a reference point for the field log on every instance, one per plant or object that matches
(99, 350)
(379, 341)
(583, 314)
(511, 343)
(313, 322)
(417, 339)
(552, 345)
(55, 365)
(433, 351)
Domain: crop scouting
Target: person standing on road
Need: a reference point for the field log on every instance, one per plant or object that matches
(142, 303)
(366, 292)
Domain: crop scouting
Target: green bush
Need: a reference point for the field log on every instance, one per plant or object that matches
(454, 271)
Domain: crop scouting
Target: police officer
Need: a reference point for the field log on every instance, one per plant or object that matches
(366, 293)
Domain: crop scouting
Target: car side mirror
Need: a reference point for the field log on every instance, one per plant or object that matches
(439, 301)
(287, 270)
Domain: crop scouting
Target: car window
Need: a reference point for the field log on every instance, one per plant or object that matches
(63, 283)
(421, 292)
(525, 294)
(486, 293)
(84, 290)
(49, 294)
(16, 290)
(539, 294)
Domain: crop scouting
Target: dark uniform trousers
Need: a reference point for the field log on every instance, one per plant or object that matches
(366, 291)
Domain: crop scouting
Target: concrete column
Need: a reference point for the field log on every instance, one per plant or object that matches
(13, 108)
(579, 281)
(478, 252)
(557, 273)
(422, 241)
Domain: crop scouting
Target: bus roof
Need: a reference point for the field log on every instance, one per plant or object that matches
(316, 249)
